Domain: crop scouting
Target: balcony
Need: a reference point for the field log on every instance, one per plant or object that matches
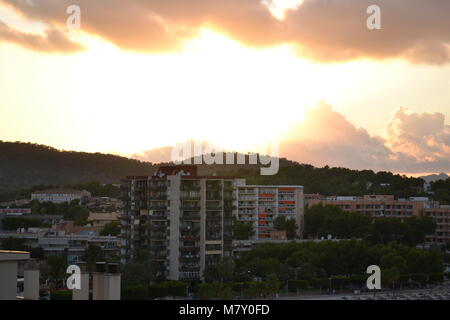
(157, 248)
(213, 207)
(190, 237)
(158, 228)
(189, 276)
(188, 258)
(158, 196)
(190, 268)
(158, 216)
(186, 187)
(190, 197)
(157, 187)
(190, 228)
(190, 207)
(158, 207)
(190, 217)
(192, 248)
(158, 235)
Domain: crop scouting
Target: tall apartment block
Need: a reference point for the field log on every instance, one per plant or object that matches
(260, 205)
(184, 221)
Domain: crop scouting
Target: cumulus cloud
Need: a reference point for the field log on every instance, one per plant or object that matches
(54, 40)
(412, 143)
(326, 137)
(424, 137)
(325, 30)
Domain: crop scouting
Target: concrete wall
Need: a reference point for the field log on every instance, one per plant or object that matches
(174, 218)
(8, 280)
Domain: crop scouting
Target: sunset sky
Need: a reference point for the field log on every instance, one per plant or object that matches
(146, 74)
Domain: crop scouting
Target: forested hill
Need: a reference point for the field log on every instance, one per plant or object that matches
(23, 165)
(337, 181)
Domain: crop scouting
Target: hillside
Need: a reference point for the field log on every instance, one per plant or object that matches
(23, 165)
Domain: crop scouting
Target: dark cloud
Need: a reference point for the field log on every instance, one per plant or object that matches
(325, 30)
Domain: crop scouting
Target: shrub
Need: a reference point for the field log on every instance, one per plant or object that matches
(295, 285)
(139, 292)
(61, 295)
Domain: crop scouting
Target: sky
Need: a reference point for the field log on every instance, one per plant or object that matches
(140, 76)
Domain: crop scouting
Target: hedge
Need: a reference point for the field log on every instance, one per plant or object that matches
(61, 295)
(139, 292)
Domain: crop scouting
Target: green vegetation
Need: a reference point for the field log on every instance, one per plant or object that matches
(111, 229)
(61, 295)
(333, 181)
(322, 220)
(344, 261)
(159, 290)
(13, 223)
(97, 189)
(18, 244)
(222, 270)
(441, 190)
(281, 223)
(242, 230)
(137, 292)
(25, 165)
(70, 211)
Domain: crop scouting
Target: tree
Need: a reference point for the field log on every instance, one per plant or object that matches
(57, 267)
(242, 230)
(387, 229)
(141, 270)
(282, 223)
(92, 255)
(215, 290)
(223, 270)
(416, 229)
(111, 229)
(322, 220)
(15, 244)
(272, 284)
(13, 223)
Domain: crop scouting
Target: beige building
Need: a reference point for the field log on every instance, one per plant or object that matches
(100, 219)
(377, 205)
(441, 215)
(388, 206)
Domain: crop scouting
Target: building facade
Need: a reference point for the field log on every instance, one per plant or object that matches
(60, 195)
(183, 220)
(389, 206)
(58, 243)
(260, 205)
(441, 214)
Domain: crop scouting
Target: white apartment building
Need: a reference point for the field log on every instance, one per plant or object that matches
(260, 205)
(60, 195)
(183, 220)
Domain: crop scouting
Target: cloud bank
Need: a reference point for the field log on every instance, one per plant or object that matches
(323, 30)
(412, 143)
